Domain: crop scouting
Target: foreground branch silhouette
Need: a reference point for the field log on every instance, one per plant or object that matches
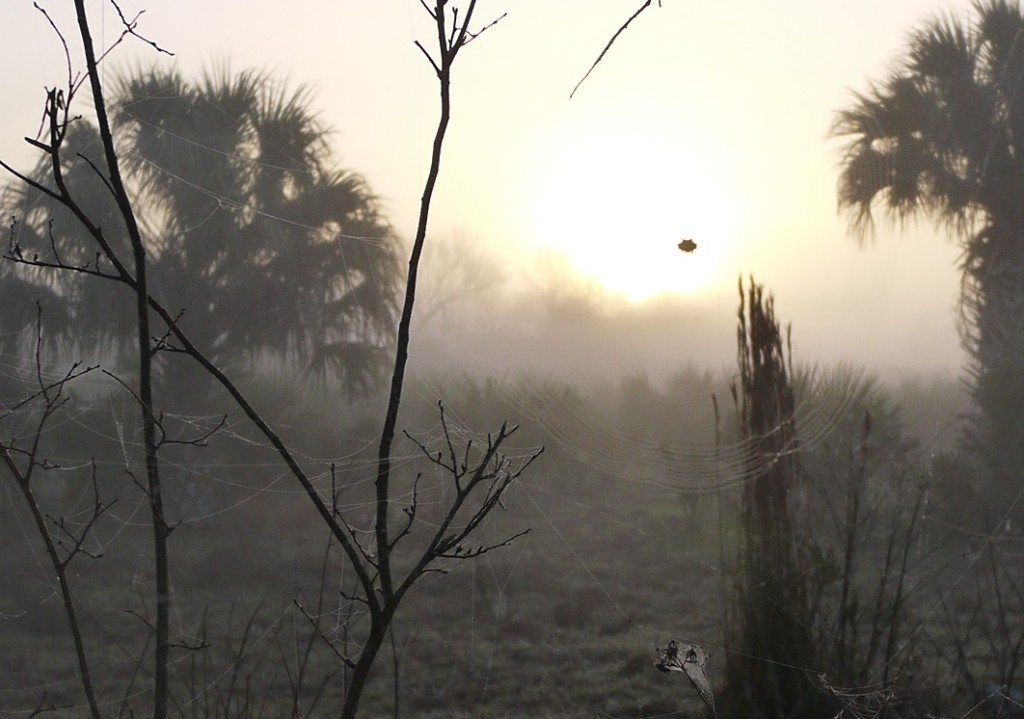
(608, 45)
(23, 460)
(129, 270)
(480, 472)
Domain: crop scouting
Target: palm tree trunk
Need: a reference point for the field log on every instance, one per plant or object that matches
(994, 309)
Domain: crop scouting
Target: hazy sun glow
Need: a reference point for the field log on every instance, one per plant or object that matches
(617, 204)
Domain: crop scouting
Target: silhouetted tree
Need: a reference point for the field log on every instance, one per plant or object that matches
(772, 620)
(266, 144)
(941, 138)
(268, 250)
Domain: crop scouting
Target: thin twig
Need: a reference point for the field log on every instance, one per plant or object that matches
(316, 627)
(608, 47)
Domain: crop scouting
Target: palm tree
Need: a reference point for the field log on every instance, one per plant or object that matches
(943, 137)
(269, 252)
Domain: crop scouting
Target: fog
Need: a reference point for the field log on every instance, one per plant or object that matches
(546, 319)
(710, 123)
(232, 497)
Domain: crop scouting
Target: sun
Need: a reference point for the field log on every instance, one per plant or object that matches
(617, 204)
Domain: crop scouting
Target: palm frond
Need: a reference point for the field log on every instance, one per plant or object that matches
(270, 248)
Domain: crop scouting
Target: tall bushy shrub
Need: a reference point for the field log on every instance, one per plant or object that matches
(772, 628)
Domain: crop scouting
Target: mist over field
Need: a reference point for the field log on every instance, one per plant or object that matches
(547, 319)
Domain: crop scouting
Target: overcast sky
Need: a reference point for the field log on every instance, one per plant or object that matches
(706, 120)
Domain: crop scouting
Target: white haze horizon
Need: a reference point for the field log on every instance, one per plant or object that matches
(707, 121)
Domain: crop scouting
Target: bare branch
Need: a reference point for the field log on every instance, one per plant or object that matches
(75, 540)
(608, 47)
(315, 623)
(43, 264)
(16, 254)
(201, 440)
(410, 513)
(428, 9)
(161, 344)
(455, 25)
(463, 552)
(63, 42)
(124, 385)
(132, 24)
(51, 395)
(471, 36)
(99, 174)
(29, 181)
(447, 541)
(71, 374)
(429, 57)
(42, 707)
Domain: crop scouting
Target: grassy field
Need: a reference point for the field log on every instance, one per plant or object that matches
(564, 622)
